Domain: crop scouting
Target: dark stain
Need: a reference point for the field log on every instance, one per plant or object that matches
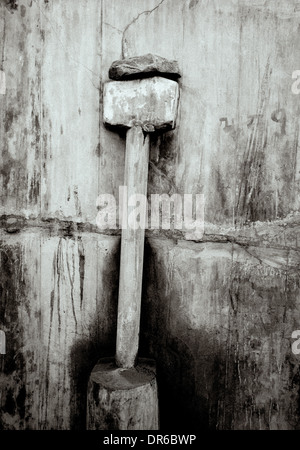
(162, 171)
(111, 422)
(9, 117)
(21, 45)
(10, 404)
(232, 130)
(295, 386)
(98, 150)
(61, 130)
(20, 401)
(12, 296)
(71, 273)
(51, 307)
(15, 169)
(14, 224)
(34, 191)
(279, 116)
(77, 201)
(56, 273)
(11, 288)
(59, 273)
(81, 268)
(37, 128)
(96, 389)
(193, 3)
(86, 352)
(252, 203)
(12, 169)
(23, 10)
(12, 5)
(68, 230)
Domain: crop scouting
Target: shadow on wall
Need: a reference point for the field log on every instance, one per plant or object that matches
(182, 408)
(85, 353)
(84, 356)
(235, 369)
(12, 365)
(43, 383)
(197, 377)
(219, 330)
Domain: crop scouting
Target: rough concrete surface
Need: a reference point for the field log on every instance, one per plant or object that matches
(142, 66)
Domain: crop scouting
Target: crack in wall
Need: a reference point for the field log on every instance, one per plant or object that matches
(114, 28)
(66, 229)
(148, 12)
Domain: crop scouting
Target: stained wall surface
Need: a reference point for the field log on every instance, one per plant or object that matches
(218, 312)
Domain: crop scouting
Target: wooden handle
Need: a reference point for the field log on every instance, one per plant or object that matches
(132, 252)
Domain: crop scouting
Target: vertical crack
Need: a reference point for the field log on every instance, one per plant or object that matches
(148, 12)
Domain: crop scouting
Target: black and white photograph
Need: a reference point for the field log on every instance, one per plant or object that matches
(149, 218)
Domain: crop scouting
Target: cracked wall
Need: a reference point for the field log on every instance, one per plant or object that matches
(217, 314)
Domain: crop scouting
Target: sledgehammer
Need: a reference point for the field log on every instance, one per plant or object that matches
(142, 106)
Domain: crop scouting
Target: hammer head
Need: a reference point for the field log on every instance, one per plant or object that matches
(150, 102)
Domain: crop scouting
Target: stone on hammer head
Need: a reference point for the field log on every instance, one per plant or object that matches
(143, 66)
(150, 102)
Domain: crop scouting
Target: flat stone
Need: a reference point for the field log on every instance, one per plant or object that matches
(151, 103)
(143, 66)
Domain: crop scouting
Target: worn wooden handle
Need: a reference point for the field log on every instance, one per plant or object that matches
(132, 251)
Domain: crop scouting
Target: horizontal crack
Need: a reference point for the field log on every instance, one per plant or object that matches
(13, 224)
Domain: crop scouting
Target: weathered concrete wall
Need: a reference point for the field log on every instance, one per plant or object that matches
(58, 310)
(219, 318)
(217, 314)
